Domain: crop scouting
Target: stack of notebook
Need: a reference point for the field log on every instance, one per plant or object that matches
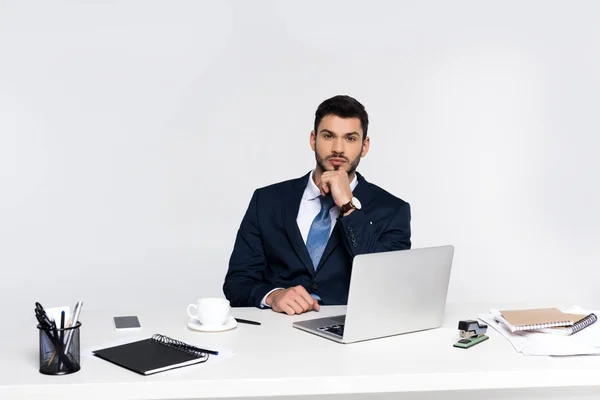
(547, 331)
(550, 320)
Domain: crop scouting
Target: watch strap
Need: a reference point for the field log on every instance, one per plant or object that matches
(346, 207)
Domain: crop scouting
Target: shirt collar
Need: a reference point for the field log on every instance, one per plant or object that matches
(312, 191)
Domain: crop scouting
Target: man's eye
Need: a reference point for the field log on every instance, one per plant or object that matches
(328, 135)
(351, 138)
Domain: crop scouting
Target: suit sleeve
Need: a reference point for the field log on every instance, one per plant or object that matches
(359, 236)
(244, 285)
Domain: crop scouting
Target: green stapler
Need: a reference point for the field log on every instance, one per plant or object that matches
(471, 333)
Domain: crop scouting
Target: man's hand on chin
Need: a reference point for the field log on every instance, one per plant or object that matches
(294, 300)
(338, 184)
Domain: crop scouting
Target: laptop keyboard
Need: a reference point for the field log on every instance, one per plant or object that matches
(337, 329)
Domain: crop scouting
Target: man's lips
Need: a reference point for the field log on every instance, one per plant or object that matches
(336, 160)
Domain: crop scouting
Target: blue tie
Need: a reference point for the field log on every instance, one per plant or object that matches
(319, 231)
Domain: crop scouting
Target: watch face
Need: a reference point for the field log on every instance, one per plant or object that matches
(356, 203)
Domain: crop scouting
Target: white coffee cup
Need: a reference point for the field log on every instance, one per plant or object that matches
(210, 311)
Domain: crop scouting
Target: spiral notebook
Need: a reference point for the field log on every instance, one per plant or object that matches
(544, 319)
(576, 327)
(156, 354)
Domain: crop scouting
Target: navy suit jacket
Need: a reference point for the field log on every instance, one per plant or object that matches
(269, 251)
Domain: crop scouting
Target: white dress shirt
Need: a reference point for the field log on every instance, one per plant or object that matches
(310, 206)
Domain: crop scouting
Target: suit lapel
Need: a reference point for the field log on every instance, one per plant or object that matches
(362, 193)
(290, 214)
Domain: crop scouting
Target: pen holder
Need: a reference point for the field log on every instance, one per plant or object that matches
(59, 350)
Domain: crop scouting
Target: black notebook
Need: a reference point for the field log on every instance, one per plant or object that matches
(149, 356)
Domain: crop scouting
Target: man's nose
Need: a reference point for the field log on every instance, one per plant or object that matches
(338, 145)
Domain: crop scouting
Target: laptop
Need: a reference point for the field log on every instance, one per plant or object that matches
(391, 293)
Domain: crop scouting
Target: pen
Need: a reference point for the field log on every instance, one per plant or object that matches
(61, 336)
(208, 351)
(246, 321)
(62, 325)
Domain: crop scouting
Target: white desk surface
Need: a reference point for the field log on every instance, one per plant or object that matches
(277, 360)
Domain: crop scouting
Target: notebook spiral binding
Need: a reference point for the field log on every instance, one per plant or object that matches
(583, 323)
(176, 344)
(541, 326)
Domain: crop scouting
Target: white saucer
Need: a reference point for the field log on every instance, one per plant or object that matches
(197, 326)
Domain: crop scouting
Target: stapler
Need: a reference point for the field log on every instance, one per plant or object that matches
(471, 333)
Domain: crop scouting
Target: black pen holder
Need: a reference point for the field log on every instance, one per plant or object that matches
(59, 350)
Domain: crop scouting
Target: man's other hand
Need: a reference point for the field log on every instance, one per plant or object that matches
(294, 300)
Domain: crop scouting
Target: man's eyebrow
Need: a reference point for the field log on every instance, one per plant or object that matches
(324, 130)
(346, 134)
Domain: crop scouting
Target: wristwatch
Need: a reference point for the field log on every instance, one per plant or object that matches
(353, 203)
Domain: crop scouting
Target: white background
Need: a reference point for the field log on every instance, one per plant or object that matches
(133, 133)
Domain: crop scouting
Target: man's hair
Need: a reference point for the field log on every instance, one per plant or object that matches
(344, 107)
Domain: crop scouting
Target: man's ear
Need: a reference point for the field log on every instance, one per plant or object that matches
(365, 147)
(313, 140)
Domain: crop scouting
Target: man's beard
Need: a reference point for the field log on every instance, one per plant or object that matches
(351, 169)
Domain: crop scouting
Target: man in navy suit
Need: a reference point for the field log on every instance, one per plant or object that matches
(295, 245)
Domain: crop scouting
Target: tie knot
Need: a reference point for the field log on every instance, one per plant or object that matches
(326, 202)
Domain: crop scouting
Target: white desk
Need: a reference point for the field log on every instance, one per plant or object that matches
(277, 360)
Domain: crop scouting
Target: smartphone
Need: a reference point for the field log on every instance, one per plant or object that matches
(128, 322)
